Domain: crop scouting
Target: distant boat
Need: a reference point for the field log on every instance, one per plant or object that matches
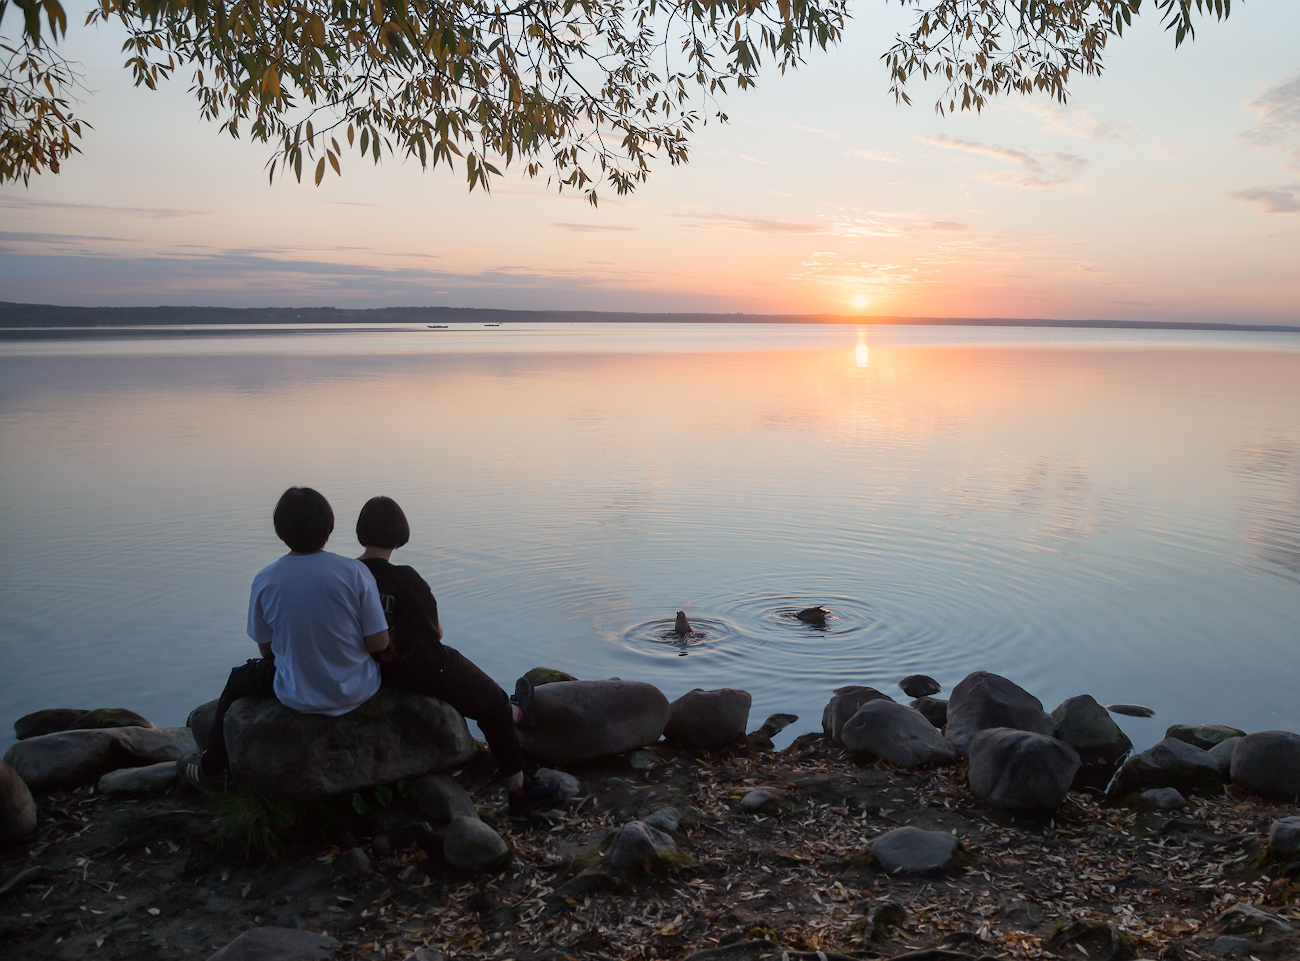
(436, 326)
(491, 325)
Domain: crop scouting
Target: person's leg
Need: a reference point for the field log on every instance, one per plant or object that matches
(256, 678)
(448, 675)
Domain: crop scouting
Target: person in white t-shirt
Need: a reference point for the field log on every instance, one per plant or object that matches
(316, 618)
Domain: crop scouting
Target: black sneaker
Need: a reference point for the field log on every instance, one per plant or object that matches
(523, 699)
(189, 768)
(537, 794)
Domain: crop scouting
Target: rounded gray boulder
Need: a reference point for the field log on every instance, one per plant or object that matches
(1021, 770)
(908, 849)
(1204, 736)
(1162, 799)
(982, 701)
(844, 703)
(1268, 764)
(639, 845)
(1089, 728)
(1171, 763)
(441, 799)
(1084, 724)
(886, 731)
(396, 734)
(935, 710)
(200, 722)
(581, 720)
(919, 685)
(705, 719)
(1284, 839)
(472, 846)
(758, 801)
(1221, 753)
(17, 808)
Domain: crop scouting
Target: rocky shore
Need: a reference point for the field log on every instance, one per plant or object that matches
(977, 827)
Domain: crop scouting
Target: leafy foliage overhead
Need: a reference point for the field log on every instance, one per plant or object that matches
(584, 92)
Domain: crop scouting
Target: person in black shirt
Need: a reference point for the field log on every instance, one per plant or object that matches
(417, 660)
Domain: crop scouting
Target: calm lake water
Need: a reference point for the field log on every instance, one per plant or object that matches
(1105, 512)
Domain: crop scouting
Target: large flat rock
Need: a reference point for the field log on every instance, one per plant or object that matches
(396, 734)
(71, 758)
(910, 849)
(580, 720)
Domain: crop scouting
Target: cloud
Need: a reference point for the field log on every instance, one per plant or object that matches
(592, 228)
(816, 130)
(1077, 122)
(157, 213)
(21, 236)
(1279, 105)
(729, 222)
(1038, 171)
(237, 279)
(1278, 110)
(1272, 200)
(879, 155)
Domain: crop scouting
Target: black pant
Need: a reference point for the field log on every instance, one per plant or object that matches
(256, 678)
(450, 676)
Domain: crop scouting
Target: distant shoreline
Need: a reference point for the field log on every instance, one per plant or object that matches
(46, 315)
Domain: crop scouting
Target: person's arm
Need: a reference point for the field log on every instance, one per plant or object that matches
(258, 629)
(428, 605)
(374, 625)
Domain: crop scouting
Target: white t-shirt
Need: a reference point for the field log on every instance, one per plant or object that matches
(316, 610)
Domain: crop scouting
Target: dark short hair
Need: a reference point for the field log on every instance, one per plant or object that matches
(303, 519)
(381, 523)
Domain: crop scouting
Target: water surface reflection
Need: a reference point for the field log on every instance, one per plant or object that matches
(1095, 514)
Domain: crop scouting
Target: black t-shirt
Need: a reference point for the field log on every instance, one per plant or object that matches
(409, 606)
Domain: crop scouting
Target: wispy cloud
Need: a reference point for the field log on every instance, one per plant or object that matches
(1077, 122)
(879, 155)
(29, 237)
(1272, 200)
(592, 228)
(758, 225)
(816, 130)
(1038, 171)
(158, 213)
(1277, 109)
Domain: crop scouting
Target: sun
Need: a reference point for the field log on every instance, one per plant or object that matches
(860, 301)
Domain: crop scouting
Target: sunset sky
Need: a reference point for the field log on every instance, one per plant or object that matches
(1168, 190)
